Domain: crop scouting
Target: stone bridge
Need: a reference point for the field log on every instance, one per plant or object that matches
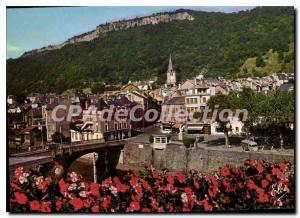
(108, 156)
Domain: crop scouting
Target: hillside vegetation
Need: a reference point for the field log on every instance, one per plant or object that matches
(255, 42)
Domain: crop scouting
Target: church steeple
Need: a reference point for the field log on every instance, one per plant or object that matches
(171, 74)
(170, 67)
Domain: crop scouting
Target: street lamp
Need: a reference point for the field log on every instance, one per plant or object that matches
(228, 127)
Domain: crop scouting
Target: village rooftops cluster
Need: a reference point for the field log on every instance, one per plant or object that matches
(31, 124)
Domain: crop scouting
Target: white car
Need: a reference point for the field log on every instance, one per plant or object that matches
(166, 131)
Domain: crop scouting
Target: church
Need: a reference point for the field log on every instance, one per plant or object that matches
(171, 74)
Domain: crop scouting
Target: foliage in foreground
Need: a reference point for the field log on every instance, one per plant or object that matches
(257, 185)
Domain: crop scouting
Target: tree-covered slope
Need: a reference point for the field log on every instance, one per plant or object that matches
(218, 44)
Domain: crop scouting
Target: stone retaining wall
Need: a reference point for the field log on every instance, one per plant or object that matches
(178, 158)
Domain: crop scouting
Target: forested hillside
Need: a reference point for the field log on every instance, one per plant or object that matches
(247, 43)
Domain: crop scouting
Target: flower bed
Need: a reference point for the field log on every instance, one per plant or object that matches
(257, 185)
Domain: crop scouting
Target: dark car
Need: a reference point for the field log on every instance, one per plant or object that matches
(52, 146)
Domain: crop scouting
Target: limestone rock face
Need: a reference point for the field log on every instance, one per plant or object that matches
(117, 26)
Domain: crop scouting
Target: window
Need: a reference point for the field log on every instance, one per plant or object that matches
(157, 139)
(106, 127)
(120, 125)
(204, 100)
(116, 126)
(163, 140)
(236, 129)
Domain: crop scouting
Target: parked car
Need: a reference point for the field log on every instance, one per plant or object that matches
(249, 145)
(52, 146)
(199, 138)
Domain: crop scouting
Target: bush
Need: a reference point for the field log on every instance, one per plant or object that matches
(188, 141)
(257, 185)
(151, 139)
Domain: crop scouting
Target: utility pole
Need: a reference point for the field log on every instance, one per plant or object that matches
(95, 157)
(60, 139)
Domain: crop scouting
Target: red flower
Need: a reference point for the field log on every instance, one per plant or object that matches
(94, 188)
(214, 181)
(14, 187)
(155, 174)
(21, 198)
(135, 206)
(45, 207)
(146, 210)
(134, 181)
(225, 172)
(260, 168)
(196, 185)
(58, 205)
(207, 206)
(154, 203)
(188, 190)
(95, 209)
(34, 205)
(212, 191)
(240, 185)
(146, 186)
(181, 177)
(170, 180)
(251, 184)
(106, 202)
(76, 203)
(186, 209)
(160, 210)
(278, 173)
(263, 198)
(87, 203)
(264, 183)
(122, 188)
(283, 166)
(269, 177)
(63, 186)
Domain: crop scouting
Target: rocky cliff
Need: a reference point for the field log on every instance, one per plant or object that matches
(100, 30)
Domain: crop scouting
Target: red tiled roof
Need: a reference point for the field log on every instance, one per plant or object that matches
(27, 129)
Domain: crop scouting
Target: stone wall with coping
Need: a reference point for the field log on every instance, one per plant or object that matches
(178, 158)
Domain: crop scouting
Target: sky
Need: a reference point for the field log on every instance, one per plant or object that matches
(31, 28)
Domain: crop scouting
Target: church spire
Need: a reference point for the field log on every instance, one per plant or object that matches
(171, 74)
(170, 67)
